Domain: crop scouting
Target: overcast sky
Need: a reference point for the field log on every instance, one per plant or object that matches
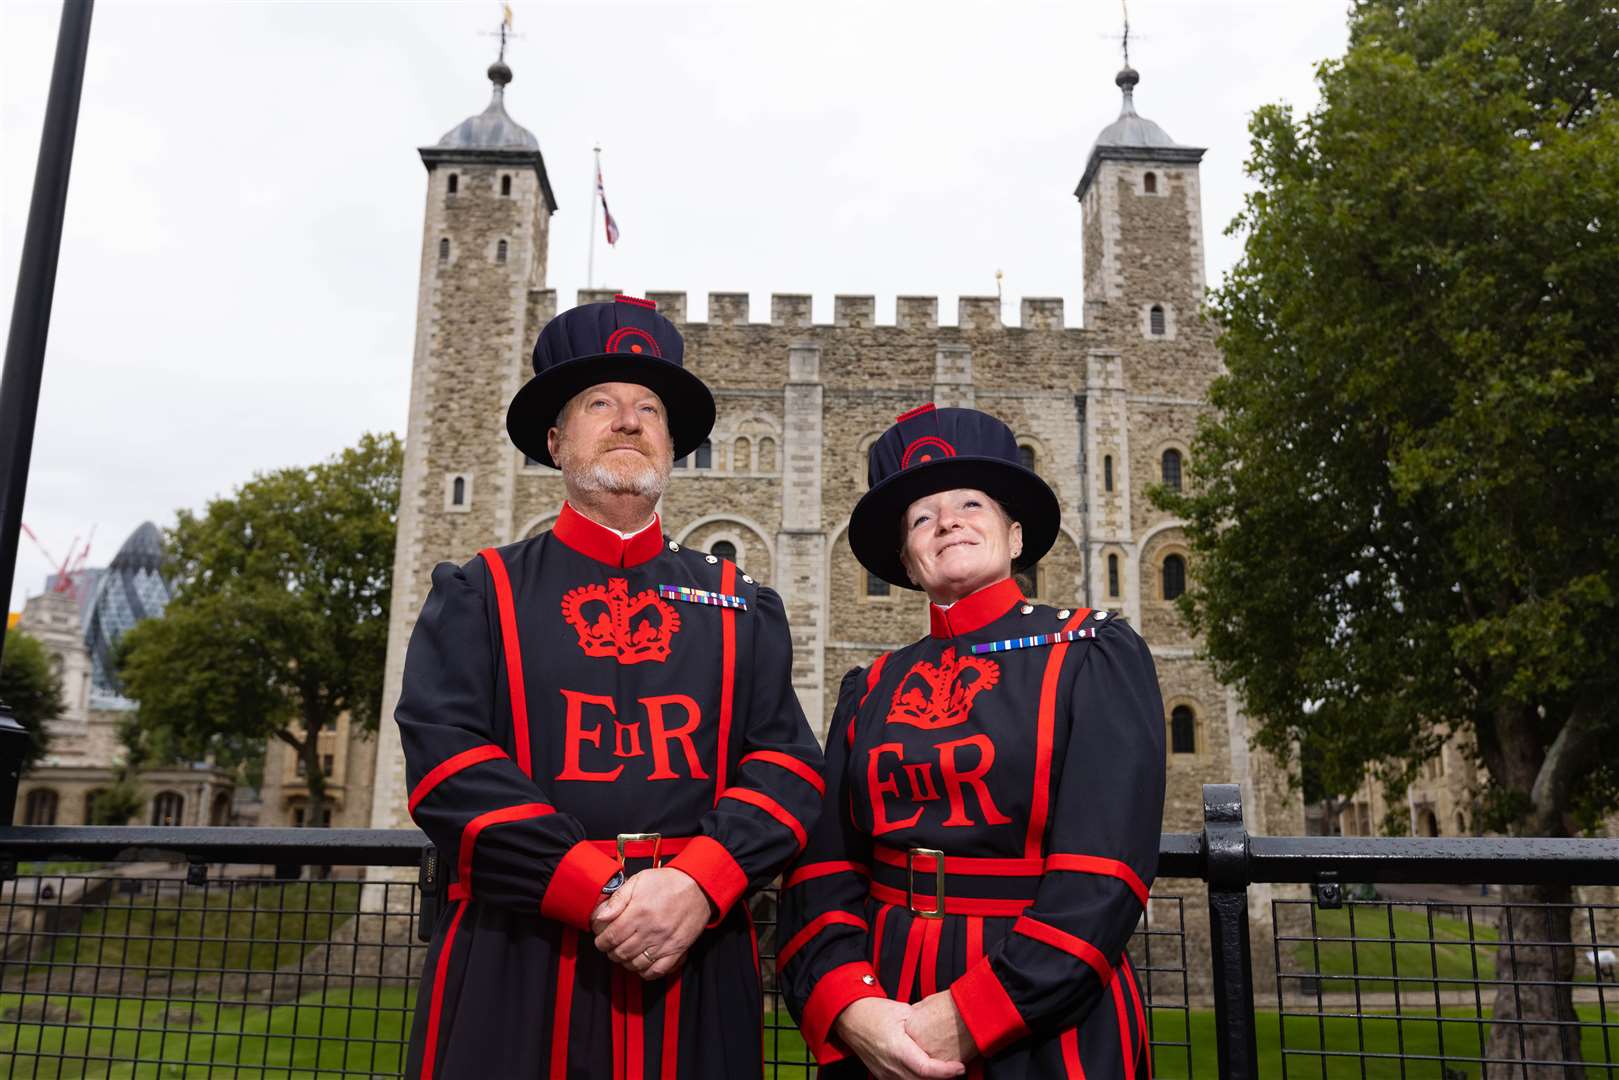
(237, 289)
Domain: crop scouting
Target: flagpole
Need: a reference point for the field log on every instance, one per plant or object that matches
(595, 195)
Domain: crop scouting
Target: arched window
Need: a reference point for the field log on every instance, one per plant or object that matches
(40, 809)
(1172, 469)
(724, 549)
(455, 183)
(168, 808)
(505, 185)
(1182, 730)
(444, 249)
(767, 455)
(1025, 455)
(500, 252)
(742, 456)
(1113, 575)
(1149, 183)
(1155, 320)
(220, 814)
(1028, 581)
(1107, 472)
(458, 491)
(876, 586)
(1174, 576)
(703, 456)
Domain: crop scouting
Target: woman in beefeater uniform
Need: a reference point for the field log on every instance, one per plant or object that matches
(993, 796)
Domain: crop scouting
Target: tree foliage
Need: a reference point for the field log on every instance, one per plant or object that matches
(279, 621)
(1405, 516)
(31, 689)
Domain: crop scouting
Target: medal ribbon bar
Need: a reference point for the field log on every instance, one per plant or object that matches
(701, 596)
(1030, 642)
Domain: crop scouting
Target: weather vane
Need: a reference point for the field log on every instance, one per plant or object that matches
(505, 31)
(1125, 4)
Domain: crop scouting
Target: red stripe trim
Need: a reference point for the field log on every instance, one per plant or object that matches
(832, 994)
(617, 1020)
(513, 650)
(727, 677)
(963, 864)
(877, 936)
(462, 888)
(918, 411)
(1070, 1054)
(913, 952)
(1126, 1046)
(771, 807)
(436, 1009)
(975, 953)
(930, 957)
(637, 301)
(635, 1030)
(991, 1017)
(873, 673)
(753, 939)
(562, 1019)
(1095, 864)
(1040, 804)
(1066, 942)
(813, 927)
(670, 1068)
(791, 764)
(1141, 1016)
(811, 871)
(953, 905)
(448, 768)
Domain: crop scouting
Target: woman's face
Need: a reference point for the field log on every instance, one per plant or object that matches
(956, 542)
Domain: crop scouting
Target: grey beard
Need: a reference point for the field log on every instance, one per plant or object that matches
(647, 481)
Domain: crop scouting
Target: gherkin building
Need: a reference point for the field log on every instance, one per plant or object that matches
(131, 589)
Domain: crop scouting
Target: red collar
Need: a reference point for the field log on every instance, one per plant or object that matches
(976, 611)
(603, 544)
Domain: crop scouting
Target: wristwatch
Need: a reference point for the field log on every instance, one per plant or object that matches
(613, 884)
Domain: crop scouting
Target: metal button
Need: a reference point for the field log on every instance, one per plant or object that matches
(747, 579)
(673, 546)
(1028, 609)
(1064, 613)
(713, 558)
(1100, 615)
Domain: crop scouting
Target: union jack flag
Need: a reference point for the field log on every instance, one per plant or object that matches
(607, 215)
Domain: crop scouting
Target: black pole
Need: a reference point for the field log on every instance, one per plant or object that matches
(1225, 849)
(36, 284)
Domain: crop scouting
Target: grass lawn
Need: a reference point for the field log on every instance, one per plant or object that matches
(186, 933)
(1381, 1036)
(1376, 941)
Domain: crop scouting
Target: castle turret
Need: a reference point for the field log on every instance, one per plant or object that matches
(480, 306)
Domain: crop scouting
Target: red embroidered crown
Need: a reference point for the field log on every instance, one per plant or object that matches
(939, 697)
(610, 622)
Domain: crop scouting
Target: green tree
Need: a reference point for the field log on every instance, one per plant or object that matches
(31, 689)
(279, 621)
(1405, 513)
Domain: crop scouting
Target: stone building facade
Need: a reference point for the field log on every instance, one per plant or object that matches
(1104, 411)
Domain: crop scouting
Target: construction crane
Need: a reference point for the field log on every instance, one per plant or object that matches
(68, 569)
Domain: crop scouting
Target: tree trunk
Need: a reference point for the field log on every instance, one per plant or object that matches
(1533, 1024)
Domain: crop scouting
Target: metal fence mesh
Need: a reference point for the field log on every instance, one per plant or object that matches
(148, 970)
(1415, 988)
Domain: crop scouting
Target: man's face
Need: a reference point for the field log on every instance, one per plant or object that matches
(613, 439)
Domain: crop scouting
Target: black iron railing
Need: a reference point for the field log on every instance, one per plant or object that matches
(295, 952)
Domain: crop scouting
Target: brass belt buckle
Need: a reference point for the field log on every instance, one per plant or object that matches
(911, 855)
(639, 838)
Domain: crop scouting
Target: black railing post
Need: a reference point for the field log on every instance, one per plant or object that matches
(1225, 851)
(13, 746)
(36, 282)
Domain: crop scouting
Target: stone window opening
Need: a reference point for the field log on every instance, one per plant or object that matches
(327, 762)
(767, 454)
(168, 808)
(444, 249)
(1182, 730)
(703, 456)
(742, 455)
(458, 493)
(220, 814)
(454, 183)
(1113, 575)
(1149, 183)
(723, 549)
(1155, 320)
(1025, 455)
(500, 252)
(506, 185)
(1107, 472)
(1174, 575)
(40, 808)
(876, 586)
(1172, 469)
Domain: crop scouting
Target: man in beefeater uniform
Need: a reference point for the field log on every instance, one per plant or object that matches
(603, 742)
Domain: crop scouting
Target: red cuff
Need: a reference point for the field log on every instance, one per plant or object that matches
(706, 861)
(837, 990)
(576, 885)
(986, 1009)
